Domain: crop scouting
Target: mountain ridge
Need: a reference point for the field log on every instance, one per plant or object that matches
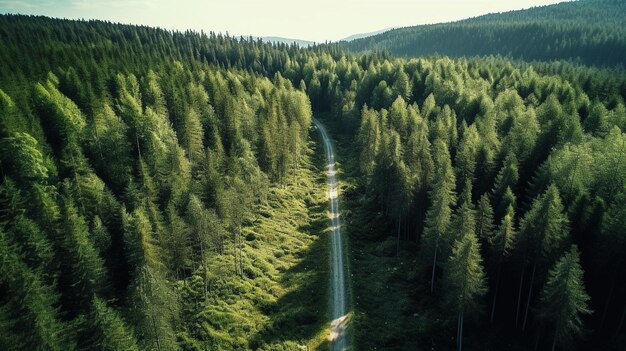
(589, 31)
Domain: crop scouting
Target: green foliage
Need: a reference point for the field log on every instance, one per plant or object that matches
(465, 278)
(28, 316)
(82, 268)
(545, 227)
(156, 188)
(505, 181)
(439, 214)
(484, 219)
(107, 329)
(22, 159)
(504, 239)
(190, 149)
(540, 33)
(563, 299)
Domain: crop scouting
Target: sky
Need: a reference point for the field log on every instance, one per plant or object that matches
(317, 20)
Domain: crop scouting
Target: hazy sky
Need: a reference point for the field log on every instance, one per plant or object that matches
(316, 20)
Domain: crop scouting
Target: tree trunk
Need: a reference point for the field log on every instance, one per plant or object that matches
(204, 267)
(519, 295)
(398, 240)
(235, 253)
(460, 348)
(554, 342)
(98, 141)
(458, 328)
(606, 306)
(495, 294)
(405, 228)
(156, 334)
(537, 338)
(621, 322)
(240, 251)
(206, 278)
(138, 148)
(432, 278)
(530, 293)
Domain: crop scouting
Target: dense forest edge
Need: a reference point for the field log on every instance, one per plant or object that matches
(163, 190)
(590, 32)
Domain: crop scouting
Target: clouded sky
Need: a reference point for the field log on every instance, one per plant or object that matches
(316, 20)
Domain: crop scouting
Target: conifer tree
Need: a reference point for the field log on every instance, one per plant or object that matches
(564, 299)
(484, 219)
(543, 233)
(465, 160)
(83, 269)
(439, 214)
(501, 244)
(177, 245)
(151, 298)
(612, 245)
(369, 137)
(464, 279)
(107, 331)
(28, 308)
(505, 181)
(22, 159)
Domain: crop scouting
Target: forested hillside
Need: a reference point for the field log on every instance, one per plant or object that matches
(481, 191)
(131, 176)
(486, 196)
(585, 31)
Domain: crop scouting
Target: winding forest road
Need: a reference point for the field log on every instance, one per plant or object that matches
(338, 287)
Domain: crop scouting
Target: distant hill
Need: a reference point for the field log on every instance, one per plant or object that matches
(589, 31)
(299, 42)
(365, 35)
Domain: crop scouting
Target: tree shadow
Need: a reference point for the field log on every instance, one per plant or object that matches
(300, 318)
(301, 314)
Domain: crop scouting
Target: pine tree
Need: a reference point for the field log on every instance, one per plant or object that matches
(192, 136)
(484, 219)
(506, 181)
(439, 214)
(544, 231)
(151, 298)
(465, 160)
(177, 245)
(110, 147)
(564, 299)
(61, 114)
(28, 307)
(83, 269)
(10, 121)
(369, 137)
(464, 279)
(417, 153)
(612, 245)
(463, 221)
(501, 244)
(201, 234)
(107, 330)
(21, 158)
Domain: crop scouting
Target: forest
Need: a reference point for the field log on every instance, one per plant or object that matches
(144, 170)
(585, 31)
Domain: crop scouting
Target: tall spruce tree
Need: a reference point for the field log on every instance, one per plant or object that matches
(544, 231)
(500, 245)
(464, 279)
(439, 214)
(564, 299)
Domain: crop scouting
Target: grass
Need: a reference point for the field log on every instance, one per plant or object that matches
(281, 300)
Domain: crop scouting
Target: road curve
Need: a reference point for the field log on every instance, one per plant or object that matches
(338, 303)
